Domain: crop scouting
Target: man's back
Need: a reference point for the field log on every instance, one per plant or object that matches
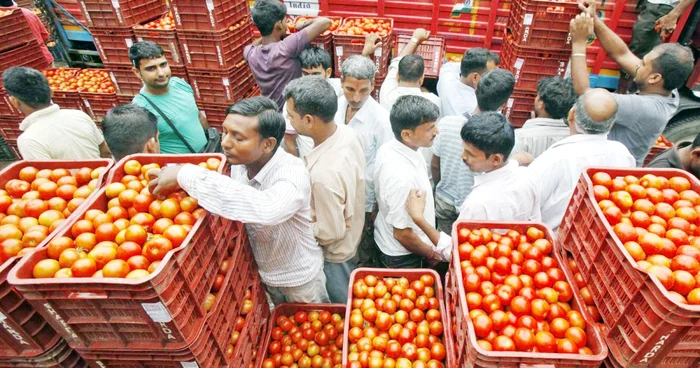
(391, 90)
(180, 107)
(640, 121)
(456, 97)
(275, 65)
(55, 134)
(538, 134)
(559, 168)
(456, 180)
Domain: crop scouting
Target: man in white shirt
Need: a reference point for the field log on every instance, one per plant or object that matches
(48, 132)
(314, 61)
(555, 97)
(401, 168)
(269, 190)
(504, 191)
(457, 83)
(453, 180)
(337, 170)
(558, 169)
(358, 110)
(406, 74)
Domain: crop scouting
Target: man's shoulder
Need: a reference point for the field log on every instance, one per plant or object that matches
(451, 123)
(65, 114)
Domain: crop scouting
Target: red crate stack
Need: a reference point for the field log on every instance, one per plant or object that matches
(9, 127)
(162, 32)
(347, 45)
(644, 325)
(432, 51)
(14, 30)
(63, 96)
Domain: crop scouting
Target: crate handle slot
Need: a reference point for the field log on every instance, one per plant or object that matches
(87, 295)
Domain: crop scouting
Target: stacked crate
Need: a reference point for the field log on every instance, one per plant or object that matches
(212, 36)
(536, 45)
(111, 24)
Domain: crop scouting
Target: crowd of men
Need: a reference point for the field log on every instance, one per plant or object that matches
(327, 179)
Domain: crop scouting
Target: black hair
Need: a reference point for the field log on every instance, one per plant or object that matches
(696, 141)
(127, 128)
(490, 132)
(314, 96)
(266, 13)
(410, 112)
(271, 123)
(411, 68)
(144, 50)
(6, 3)
(27, 85)
(558, 96)
(314, 57)
(494, 89)
(475, 60)
(674, 63)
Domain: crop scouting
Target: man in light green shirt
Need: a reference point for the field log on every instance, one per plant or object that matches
(172, 96)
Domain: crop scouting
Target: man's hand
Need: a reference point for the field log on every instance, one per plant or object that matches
(372, 43)
(581, 28)
(164, 182)
(666, 25)
(421, 35)
(589, 7)
(415, 204)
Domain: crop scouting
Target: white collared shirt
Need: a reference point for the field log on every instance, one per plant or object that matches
(506, 194)
(456, 97)
(558, 169)
(274, 206)
(391, 90)
(399, 170)
(456, 180)
(56, 134)
(371, 123)
(538, 134)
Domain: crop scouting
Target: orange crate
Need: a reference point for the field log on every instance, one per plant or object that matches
(644, 326)
(469, 353)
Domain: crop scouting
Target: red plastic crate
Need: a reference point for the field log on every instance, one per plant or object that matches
(288, 309)
(219, 50)
(165, 38)
(125, 82)
(25, 333)
(468, 351)
(97, 104)
(120, 13)
(221, 86)
(529, 65)
(215, 113)
(210, 15)
(542, 23)
(59, 356)
(6, 108)
(411, 275)
(644, 326)
(519, 106)
(655, 150)
(9, 126)
(348, 45)
(113, 44)
(478, 24)
(67, 99)
(15, 31)
(378, 81)
(28, 55)
(432, 51)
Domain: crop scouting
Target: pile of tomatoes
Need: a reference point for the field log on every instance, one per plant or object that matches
(585, 294)
(129, 238)
(656, 219)
(59, 79)
(37, 203)
(304, 340)
(246, 308)
(395, 323)
(335, 23)
(364, 26)
(238, 25)
(164, 23)
(94, 81)
(662, 142)
(517, 294)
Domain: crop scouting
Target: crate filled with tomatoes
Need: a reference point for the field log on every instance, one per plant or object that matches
(349, 39)
(634, 235)
(161, 31)
(659, 146)
(395, 316)
(314, 332)
(542, 24)
(325, 40)
(130, 260)
(65, 87)
(513, 300)
(37, 200)
(97, 92)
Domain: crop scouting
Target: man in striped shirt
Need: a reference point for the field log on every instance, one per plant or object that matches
(269, 191)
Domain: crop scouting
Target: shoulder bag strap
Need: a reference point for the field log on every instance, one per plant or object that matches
(170, 123)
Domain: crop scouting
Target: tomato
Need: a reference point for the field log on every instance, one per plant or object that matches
(176, 234)
(136, 234)
(46, 268)
(156, 248)
(116, 268)
(58, 245)
(84, 267)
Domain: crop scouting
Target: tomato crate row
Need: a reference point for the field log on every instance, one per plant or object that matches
(6, 108)
(25, 333)
(211, 15)
(505, 275)
(14, 30)
(349, 40)
(113, 44)
(119, 13)
(640, 275)
(88, 90)
(28, 55)
(529, 64)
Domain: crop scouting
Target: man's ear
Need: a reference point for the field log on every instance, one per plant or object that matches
(329, 72)
(137, 73)
(695, 153)
(151, 146)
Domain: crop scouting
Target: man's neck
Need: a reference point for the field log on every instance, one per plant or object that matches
(655, 91)
(410, 84)
(271, 38)
(412, 147)
(255, 167)
(502, 165)
(322, 134)
(158, 91)
(467, 82)
(685, 154)
(26, 110)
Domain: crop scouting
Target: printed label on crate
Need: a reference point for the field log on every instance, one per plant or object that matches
(302, 7)
(176, 55)
(100, 50)
(190, 365)
(100, 364)
(114, 81)
(509, 106)
(518, 67)
(210, 8)
(60, 320)
(129, 42)
(117, 9)
(339, 50)
(378, 52)
(157, 312)
(15, 335)
(529, 17)
(87, 15)
(658, 346)
(187, 53)
(220, 54)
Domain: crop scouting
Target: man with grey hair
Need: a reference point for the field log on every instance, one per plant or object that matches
(336, 166)
(357, 109)
(559, 167)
